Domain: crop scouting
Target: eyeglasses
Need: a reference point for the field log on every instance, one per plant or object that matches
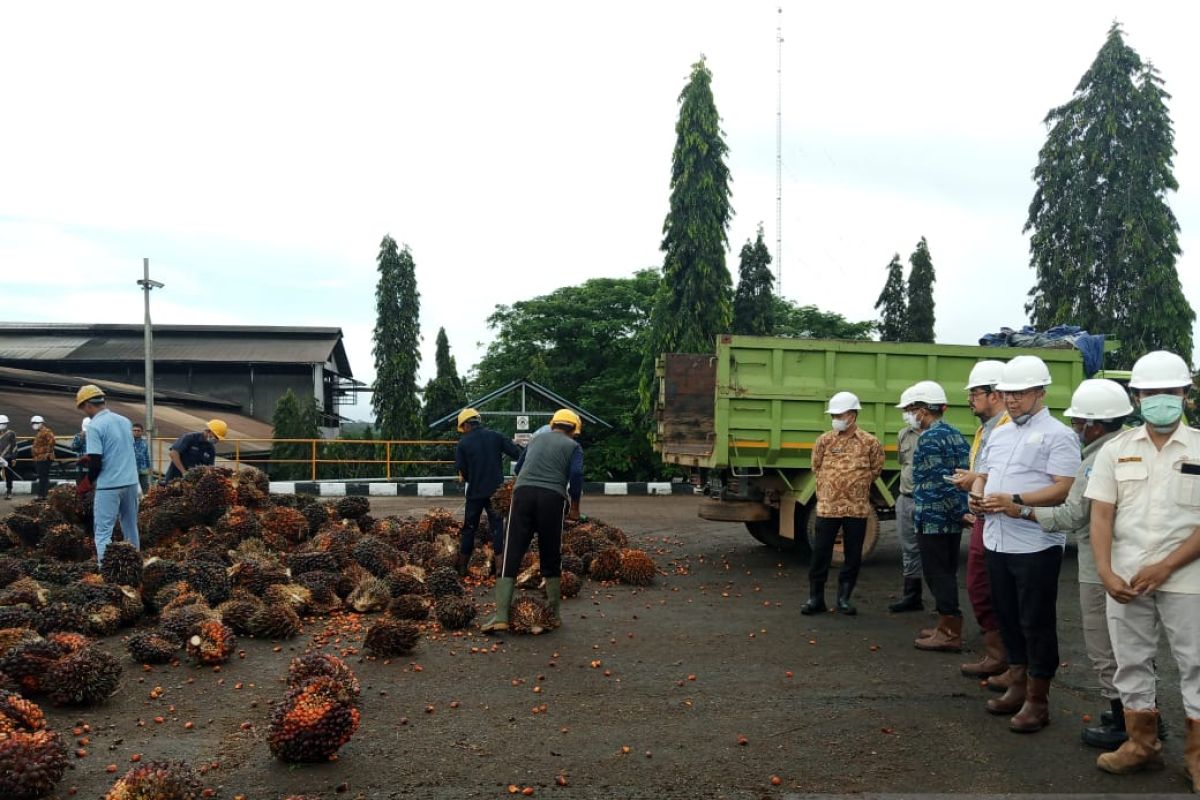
(973, 393)
(1020, 394)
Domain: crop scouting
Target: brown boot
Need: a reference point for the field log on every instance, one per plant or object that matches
(1142, 749)
(993, 661)
(947, 637)
(1001, 682)
(1014, 697)
(1035, 711)
(1191, 754)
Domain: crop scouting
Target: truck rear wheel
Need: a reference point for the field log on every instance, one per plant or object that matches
(839, 556)
(767, 532)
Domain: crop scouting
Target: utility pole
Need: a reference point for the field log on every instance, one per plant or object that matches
(779, 152)
(148, 336)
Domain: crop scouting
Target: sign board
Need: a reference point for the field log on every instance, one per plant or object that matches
(522, 439)
(522, 422)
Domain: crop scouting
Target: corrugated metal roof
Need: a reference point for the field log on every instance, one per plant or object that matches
(29, 380)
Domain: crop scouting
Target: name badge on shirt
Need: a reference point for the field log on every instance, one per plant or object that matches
(1129, 459)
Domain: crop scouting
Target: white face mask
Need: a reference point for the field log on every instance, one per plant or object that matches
(910, 419)
(840, 425)
(3, 426)
(37, 426)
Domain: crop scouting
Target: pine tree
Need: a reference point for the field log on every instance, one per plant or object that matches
(444, 393)
(694, 301)
(753, 306)
(892, 304)
(919, 315)
(397, 341)
(1104, 239)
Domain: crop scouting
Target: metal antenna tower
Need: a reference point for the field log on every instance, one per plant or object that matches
(779, 152)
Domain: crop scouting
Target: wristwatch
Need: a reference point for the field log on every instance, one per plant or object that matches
(1017, 499)
(1026, 512)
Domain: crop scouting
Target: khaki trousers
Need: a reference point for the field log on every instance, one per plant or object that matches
(1094, 606)
(1134, 628)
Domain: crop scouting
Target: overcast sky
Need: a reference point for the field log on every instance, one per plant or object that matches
(258, 152)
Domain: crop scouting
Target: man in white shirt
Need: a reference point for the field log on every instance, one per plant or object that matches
(1145, 493)
(1030, 463)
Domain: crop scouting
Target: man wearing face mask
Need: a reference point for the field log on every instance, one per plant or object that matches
(8, 451)
(42, 453)
(1098, 410)
(940, 510)
(1145, 493)
(910, 550)
(1031, 463)
(846, 461)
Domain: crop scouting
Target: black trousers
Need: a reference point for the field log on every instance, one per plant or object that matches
(939, 562)
(474, 508)
(535, 512)
(854, 533)
(8, 479)
(42, 470)
(1025, 594)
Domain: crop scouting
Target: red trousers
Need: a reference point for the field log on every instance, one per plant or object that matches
(979, 588)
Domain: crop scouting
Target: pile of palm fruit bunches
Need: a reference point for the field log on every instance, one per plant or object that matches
(222, 558)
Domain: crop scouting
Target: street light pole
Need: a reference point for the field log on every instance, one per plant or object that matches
(148, 335)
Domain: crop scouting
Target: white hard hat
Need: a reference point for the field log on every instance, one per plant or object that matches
(1099, 398)
(36, 418)
(906, 398)
(1024, 372)
(1160, 370)
(3, 419)
(930, 393)
(985, 373)
(842, 402)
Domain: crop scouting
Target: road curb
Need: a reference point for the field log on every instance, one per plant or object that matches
(453, 489)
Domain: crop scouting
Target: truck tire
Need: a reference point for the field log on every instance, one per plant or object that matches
(869, 543)
(767, 532)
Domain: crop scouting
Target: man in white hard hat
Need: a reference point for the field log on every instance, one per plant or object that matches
(42, 453)
(987, 405)
(1032, 463)
(910, 549)
(1098, 410)
(940, 510)
(112, 470)
(846, 461)
(1145, 493)
(8, 451)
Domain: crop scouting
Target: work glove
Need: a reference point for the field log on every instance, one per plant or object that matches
(573, 513)
(83, 486)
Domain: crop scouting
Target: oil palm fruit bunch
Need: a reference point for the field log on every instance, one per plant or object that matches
(153, 647)
(274, 622)
(283, 524)
(409, 606)
(85, 677)
(444, 582)
(297, 597)
(209, 491)
(122, 565)
(213, 642)
(376, 556)
(256, 576)
(31, 763)
(103, 619)
(371, 594)
(403, 581)
(637, 568)
(19, 714)
(569, 584)
(238, 609)
(65, 542)
(313, 721)
(352, 507)
(158, 780)
(315, 665)
(455, 612)
(238, 524)
(252, 487)
(27, 663)
(528, 614)
(209, 578)
(61, 617)
(157, 573)
(391, 637)
(606, 565)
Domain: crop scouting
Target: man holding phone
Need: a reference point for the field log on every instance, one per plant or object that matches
(1145, 493)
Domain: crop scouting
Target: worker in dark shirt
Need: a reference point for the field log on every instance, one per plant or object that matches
(195, 449)
(478, 460)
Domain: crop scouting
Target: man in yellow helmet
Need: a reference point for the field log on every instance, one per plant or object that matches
(111, 470)
(549, 485)
(195, 449)
(478, 458)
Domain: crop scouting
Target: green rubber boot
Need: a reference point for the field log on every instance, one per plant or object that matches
(554, 600)
(504, 593)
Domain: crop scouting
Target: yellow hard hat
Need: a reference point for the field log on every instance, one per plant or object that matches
(218, 428)
(465, 416)
(565, 416)
(87, 392)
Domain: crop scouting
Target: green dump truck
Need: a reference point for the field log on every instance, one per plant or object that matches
(743, 420)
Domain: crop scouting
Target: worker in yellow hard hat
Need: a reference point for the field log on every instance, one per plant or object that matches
(195, 449)
(549, 485)
(478, 458)
(111, 470)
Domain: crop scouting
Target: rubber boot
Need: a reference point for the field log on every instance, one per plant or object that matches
(993, 661)
(504, 593)
(844, 606)
(1191, 754)
(1107, 735)
(460, 564)
(947, 636)
(816, 600)
(1141, 750)
(1014, 697)
(1001, 682)
(1035, 711)
(911, 599)
(554, 600)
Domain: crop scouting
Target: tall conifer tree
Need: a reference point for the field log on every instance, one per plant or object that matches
(893, 305)
(754, 300)
(397, 344)
(921, 277)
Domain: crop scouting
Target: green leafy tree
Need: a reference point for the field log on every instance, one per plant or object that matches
(921, 277)
(444, 393)
(893, 305)
(397, 344)
(809, 322)
(585, 343)
(694, 300)
(293, 419)
(1104, 239)
(753, 306)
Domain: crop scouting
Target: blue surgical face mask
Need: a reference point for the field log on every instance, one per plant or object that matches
(1162, 410)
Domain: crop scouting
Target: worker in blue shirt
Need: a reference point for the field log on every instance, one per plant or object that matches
(112, 470)
(141, 452)
(478, 460)
(195, 449)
